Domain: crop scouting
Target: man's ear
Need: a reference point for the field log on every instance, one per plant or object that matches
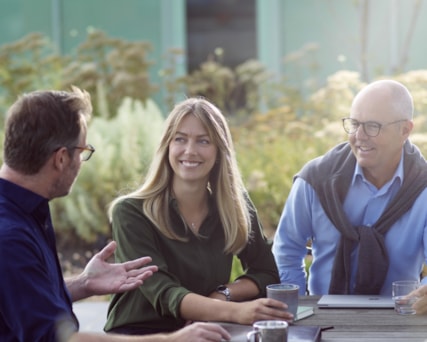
(60, 158)
(407, 128)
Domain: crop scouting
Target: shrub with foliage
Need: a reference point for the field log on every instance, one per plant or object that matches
(104, 65)
(234, 91)
(101, 65)
(28, 64)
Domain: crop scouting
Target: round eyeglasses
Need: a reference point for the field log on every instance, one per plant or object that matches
(86, 152)
(371, 128)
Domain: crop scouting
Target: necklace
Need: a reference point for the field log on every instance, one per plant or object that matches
(196, 220)
(193, 226)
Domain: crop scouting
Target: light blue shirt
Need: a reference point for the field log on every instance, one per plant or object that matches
(303, 219)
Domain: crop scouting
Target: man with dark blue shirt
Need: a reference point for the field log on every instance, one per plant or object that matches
(44, 147)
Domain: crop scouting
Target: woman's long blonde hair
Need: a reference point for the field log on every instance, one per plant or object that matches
(225, 182)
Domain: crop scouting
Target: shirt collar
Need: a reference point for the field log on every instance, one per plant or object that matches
(206, 229)
(23, 198)
(398, 174)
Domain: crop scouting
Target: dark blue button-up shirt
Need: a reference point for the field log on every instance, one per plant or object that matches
(33, 297)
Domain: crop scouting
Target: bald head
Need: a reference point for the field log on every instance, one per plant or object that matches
(388, 95)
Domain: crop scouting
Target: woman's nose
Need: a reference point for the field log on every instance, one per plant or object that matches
(190, 147)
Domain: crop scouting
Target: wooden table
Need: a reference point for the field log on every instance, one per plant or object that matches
(365, 325)
(353, 325)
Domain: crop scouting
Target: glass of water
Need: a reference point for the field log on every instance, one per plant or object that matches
(402, 301)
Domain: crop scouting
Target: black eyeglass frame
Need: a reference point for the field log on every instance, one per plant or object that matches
(356, 124)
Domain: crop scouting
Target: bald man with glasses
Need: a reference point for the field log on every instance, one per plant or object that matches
(362, 204)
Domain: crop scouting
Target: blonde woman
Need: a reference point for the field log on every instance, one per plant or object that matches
(191, 215)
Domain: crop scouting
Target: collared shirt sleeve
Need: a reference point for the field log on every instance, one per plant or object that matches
(30, 308)
(293, 233)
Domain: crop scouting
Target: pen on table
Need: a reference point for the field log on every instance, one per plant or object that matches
(326, 328)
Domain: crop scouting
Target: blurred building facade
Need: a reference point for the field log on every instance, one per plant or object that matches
(302, 38)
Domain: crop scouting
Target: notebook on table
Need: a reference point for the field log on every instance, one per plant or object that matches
(304, 312)
(355, 301)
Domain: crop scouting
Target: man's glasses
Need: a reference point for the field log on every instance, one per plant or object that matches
(371, 128)
(86, 152)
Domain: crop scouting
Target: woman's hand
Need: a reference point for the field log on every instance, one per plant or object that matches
(420, 305)
(262, 309)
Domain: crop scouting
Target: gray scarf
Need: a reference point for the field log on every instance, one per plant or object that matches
(330, 176)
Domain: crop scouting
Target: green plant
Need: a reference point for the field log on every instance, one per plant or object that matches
(170, 77)
(109, 68)
(28, 64)
(235, 92)
(105, 65)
